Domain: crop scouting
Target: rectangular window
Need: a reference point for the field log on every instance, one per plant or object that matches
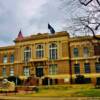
(53, 54)
(77, 68)
(87, 67)
(97, 65)
(5, 59)
(4, 72)
(75, 52)
(12, 58)
(53, 51)
(39, 54)
(27, 56)
(97, 50)
(86, 52)
(53, 69)
(26, 71)
(39, 51)
(11, 71)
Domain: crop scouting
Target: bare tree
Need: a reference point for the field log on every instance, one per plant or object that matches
(90, 21)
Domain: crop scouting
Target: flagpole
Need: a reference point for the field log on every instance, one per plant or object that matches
(52, 31)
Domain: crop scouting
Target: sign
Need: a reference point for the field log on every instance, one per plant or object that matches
(66, 80)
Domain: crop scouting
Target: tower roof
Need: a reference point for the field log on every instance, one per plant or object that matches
(20, 35)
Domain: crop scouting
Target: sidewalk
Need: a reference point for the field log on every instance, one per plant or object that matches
(32, 98)
(47, 98)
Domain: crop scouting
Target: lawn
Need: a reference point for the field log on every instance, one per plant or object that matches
(86, 90)
(89, 93)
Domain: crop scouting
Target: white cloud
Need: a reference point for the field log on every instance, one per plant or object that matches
(32, 16)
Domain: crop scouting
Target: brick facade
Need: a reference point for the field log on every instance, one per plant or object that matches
(65, 58)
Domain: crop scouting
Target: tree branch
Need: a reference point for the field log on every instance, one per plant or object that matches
(85, 4)
(96, 28)
(94, 36)
(98, 2)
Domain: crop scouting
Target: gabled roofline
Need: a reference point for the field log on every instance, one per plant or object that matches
(42, 36)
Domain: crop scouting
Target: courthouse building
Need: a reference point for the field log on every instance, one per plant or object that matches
(53, 58)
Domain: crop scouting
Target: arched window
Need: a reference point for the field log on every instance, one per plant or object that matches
(12, 58)
(53, 51)
(5, 59)
(27, 54)
(39, 51)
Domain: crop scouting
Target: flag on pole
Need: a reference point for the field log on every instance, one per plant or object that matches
(52, 31)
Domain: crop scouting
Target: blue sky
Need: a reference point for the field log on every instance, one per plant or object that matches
(31, 16)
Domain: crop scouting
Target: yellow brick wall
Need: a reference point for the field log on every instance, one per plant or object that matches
(63, 44)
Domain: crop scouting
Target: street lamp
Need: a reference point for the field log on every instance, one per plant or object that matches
(70, 64)
(16, 73)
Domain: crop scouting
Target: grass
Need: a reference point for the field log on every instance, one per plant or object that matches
(91, 92)
(66, 90)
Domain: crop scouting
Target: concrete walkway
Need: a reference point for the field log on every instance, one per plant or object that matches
(48, 98)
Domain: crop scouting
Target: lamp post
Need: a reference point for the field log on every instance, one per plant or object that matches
(70, 64)
(16, 73)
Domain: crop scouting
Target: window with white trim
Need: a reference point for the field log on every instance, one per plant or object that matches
(27, 54)
(11, 71)
(12, 58)
(85, 52)
(53, 69)
(26, 71)
(4, 72)
(39, 51)
(53, 51)
(5, 59)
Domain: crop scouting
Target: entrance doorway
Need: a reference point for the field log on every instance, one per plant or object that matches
(39, 71)
(45, 81)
